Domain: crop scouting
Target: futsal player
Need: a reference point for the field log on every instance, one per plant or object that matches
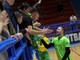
(43, 52)
(61, 44)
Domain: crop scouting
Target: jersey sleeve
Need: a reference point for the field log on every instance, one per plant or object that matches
(46, 40)
(67, 42)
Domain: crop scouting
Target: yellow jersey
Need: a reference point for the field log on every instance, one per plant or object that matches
(41, 47)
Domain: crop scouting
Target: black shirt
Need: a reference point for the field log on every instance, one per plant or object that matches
(27, 20)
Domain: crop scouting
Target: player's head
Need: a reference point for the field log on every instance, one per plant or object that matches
(60, 30)
(24, 7)
(34, 13)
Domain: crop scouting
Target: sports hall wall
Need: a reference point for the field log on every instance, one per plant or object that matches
(49, 12)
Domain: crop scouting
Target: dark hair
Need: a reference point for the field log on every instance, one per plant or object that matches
(18, 14)
(1, 6)
(63, 29)
(24, 5)
(33, 9)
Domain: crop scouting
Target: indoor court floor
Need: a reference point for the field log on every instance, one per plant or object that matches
(75, 53)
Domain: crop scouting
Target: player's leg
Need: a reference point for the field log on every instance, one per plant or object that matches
(47, 55)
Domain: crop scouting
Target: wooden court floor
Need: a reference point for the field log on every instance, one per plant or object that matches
(75, 53)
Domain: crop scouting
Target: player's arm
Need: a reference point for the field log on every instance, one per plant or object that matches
(67, 49)
(67, 53)
(47, 45)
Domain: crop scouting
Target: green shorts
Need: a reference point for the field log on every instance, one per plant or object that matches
(44, 55)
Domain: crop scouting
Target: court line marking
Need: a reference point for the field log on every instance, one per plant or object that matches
(75, 52)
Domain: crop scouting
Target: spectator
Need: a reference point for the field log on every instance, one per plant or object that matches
(27, 20)
(33, 15)
(3, 22)
(4, 33)
(19, 17)
(13, 20)
(24, 8)
(73, 19)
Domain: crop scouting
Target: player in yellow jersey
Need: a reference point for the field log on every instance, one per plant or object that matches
(43, 52)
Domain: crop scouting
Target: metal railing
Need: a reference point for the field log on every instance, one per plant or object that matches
(14, 53)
